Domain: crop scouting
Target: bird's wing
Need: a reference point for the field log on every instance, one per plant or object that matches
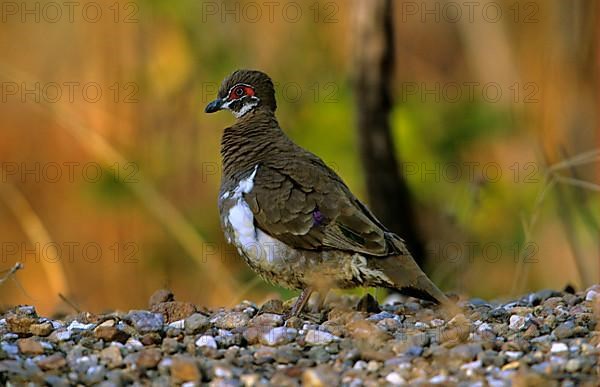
(313, 209)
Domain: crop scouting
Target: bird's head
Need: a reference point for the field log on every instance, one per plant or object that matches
(243, 91)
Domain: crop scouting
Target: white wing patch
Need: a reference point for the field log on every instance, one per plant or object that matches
(253, 243)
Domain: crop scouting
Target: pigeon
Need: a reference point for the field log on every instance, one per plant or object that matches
(291, 217)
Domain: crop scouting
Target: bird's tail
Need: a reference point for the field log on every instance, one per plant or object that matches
(409, 279)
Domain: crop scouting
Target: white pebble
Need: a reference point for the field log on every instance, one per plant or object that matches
(314, 337)
(206, 341)
(395, 379)
(591, 295)
(77, 325)
(438, 379)
(559, 347)
(472, 365)
(63, 335)
(513, 355)
(516, 322)
(360, 365)
(134, 344)
(179, 324)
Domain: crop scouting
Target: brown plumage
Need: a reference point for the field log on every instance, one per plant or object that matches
(292, 217)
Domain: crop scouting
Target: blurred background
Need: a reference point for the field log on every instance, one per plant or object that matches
(109, 169)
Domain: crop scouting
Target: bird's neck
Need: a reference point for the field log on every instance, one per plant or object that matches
(245, 144)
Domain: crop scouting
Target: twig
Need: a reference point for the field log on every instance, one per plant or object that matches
(18, 266)
(69, 302)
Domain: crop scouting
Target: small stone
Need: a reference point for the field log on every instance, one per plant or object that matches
(206, 341)
(287, 355)
(146, 322)
(395, 379)
(184, 369)
(250, 379)
(466, 352)
(267, 320)
(373, 366)
(438, 379)
(112, 356)
(148, 358)
(42, 329)
(52, 362)
(320, 376)
(110, 333)
(472, 365)
(559, 348)
(30, 347)
(264, 355)
(174, 310)
(367, 330)
(277, 336)
(513, 355)
(170, 345)
(511, 366)
(62, 335)
(315, 337)
(151, 339)
(76, 325)
(591, 295)
(20, 324)
(564, 330)
(177, 325)
(368, 304)
(573, 365)
(230, 320)
(196, 323)
(273, 306)
(159, 296)
(516, 322)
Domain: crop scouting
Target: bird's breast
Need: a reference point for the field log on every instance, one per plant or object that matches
(258, 248)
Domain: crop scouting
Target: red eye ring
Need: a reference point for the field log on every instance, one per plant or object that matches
(240, 90)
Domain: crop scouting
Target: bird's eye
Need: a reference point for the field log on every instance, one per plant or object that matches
(240, 91)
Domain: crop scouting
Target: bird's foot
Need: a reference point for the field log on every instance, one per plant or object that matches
(299, 304)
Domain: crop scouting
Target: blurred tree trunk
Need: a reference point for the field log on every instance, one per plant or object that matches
(389, 197)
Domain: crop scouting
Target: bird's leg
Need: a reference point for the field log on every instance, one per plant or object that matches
(300, 302)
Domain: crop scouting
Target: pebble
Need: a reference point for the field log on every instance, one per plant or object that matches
(559, 348)
(52, 362)
(41, 329)
(112, 356)
(146, 322)
(517, 322)
(196, 323)
(184, 369)
(541, 337)
(230, 320)
(395, 379)
(278, 336)
(76, 325)
(148, 358)
(315, 337)
(30, 347)
(111, 333)
(206, 341)
(320, 376)
(591, 295)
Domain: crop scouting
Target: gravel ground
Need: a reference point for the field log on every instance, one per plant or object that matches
(544, 338)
